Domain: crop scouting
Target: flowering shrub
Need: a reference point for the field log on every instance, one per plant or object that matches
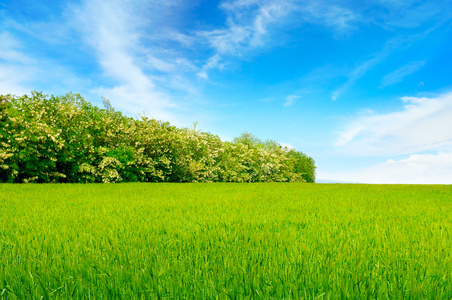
(66, 139)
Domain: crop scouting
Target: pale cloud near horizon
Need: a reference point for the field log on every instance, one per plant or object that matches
(416, 169)
(424, 124)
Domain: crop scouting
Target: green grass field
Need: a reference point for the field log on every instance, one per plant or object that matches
(194, 241)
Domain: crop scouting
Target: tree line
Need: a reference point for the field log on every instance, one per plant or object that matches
(66, 139)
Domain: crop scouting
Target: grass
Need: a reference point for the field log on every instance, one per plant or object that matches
(204, 241)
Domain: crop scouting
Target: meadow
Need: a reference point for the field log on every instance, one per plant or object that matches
(225, 241)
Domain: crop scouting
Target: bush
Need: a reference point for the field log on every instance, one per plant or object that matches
(66, 139)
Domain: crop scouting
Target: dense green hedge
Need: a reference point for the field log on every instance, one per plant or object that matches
(66, 139)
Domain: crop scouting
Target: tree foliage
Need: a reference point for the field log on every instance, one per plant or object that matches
(66, 139)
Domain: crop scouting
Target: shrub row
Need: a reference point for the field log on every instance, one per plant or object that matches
(66, 139)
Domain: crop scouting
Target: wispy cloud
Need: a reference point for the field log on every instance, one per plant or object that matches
(248, 26)
(13, 65)
(411, 13)
(13, 79)
(171, 34)
(113, 30)
(415, 169)
(21, 71)
(339, 19)
(391, 46)
(424, 124)
(212, 62)
(398, 75)
(141, 69)
(254, 24)
(290, 100)
(362, 68)
(11, 50)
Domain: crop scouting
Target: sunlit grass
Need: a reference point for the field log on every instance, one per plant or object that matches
(208, 241)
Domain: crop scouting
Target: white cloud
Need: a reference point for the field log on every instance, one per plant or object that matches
(160, 64)
(212, 62)
(14, 70)
(10, 52)
(113, 29)
(21, 72)
(12, 79)
(253, 24)
(129, 98)
(325, 13)
(141, 57)
(416, 169)
(424, 124)
(173, 35)
(290, 100)
(338, 18)
(246, 29)
(398, 75)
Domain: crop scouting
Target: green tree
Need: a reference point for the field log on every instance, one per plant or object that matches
(66, 139)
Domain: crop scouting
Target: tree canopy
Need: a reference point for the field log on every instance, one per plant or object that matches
(66, 139)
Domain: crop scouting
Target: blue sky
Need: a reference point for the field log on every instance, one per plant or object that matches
(364, 87)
